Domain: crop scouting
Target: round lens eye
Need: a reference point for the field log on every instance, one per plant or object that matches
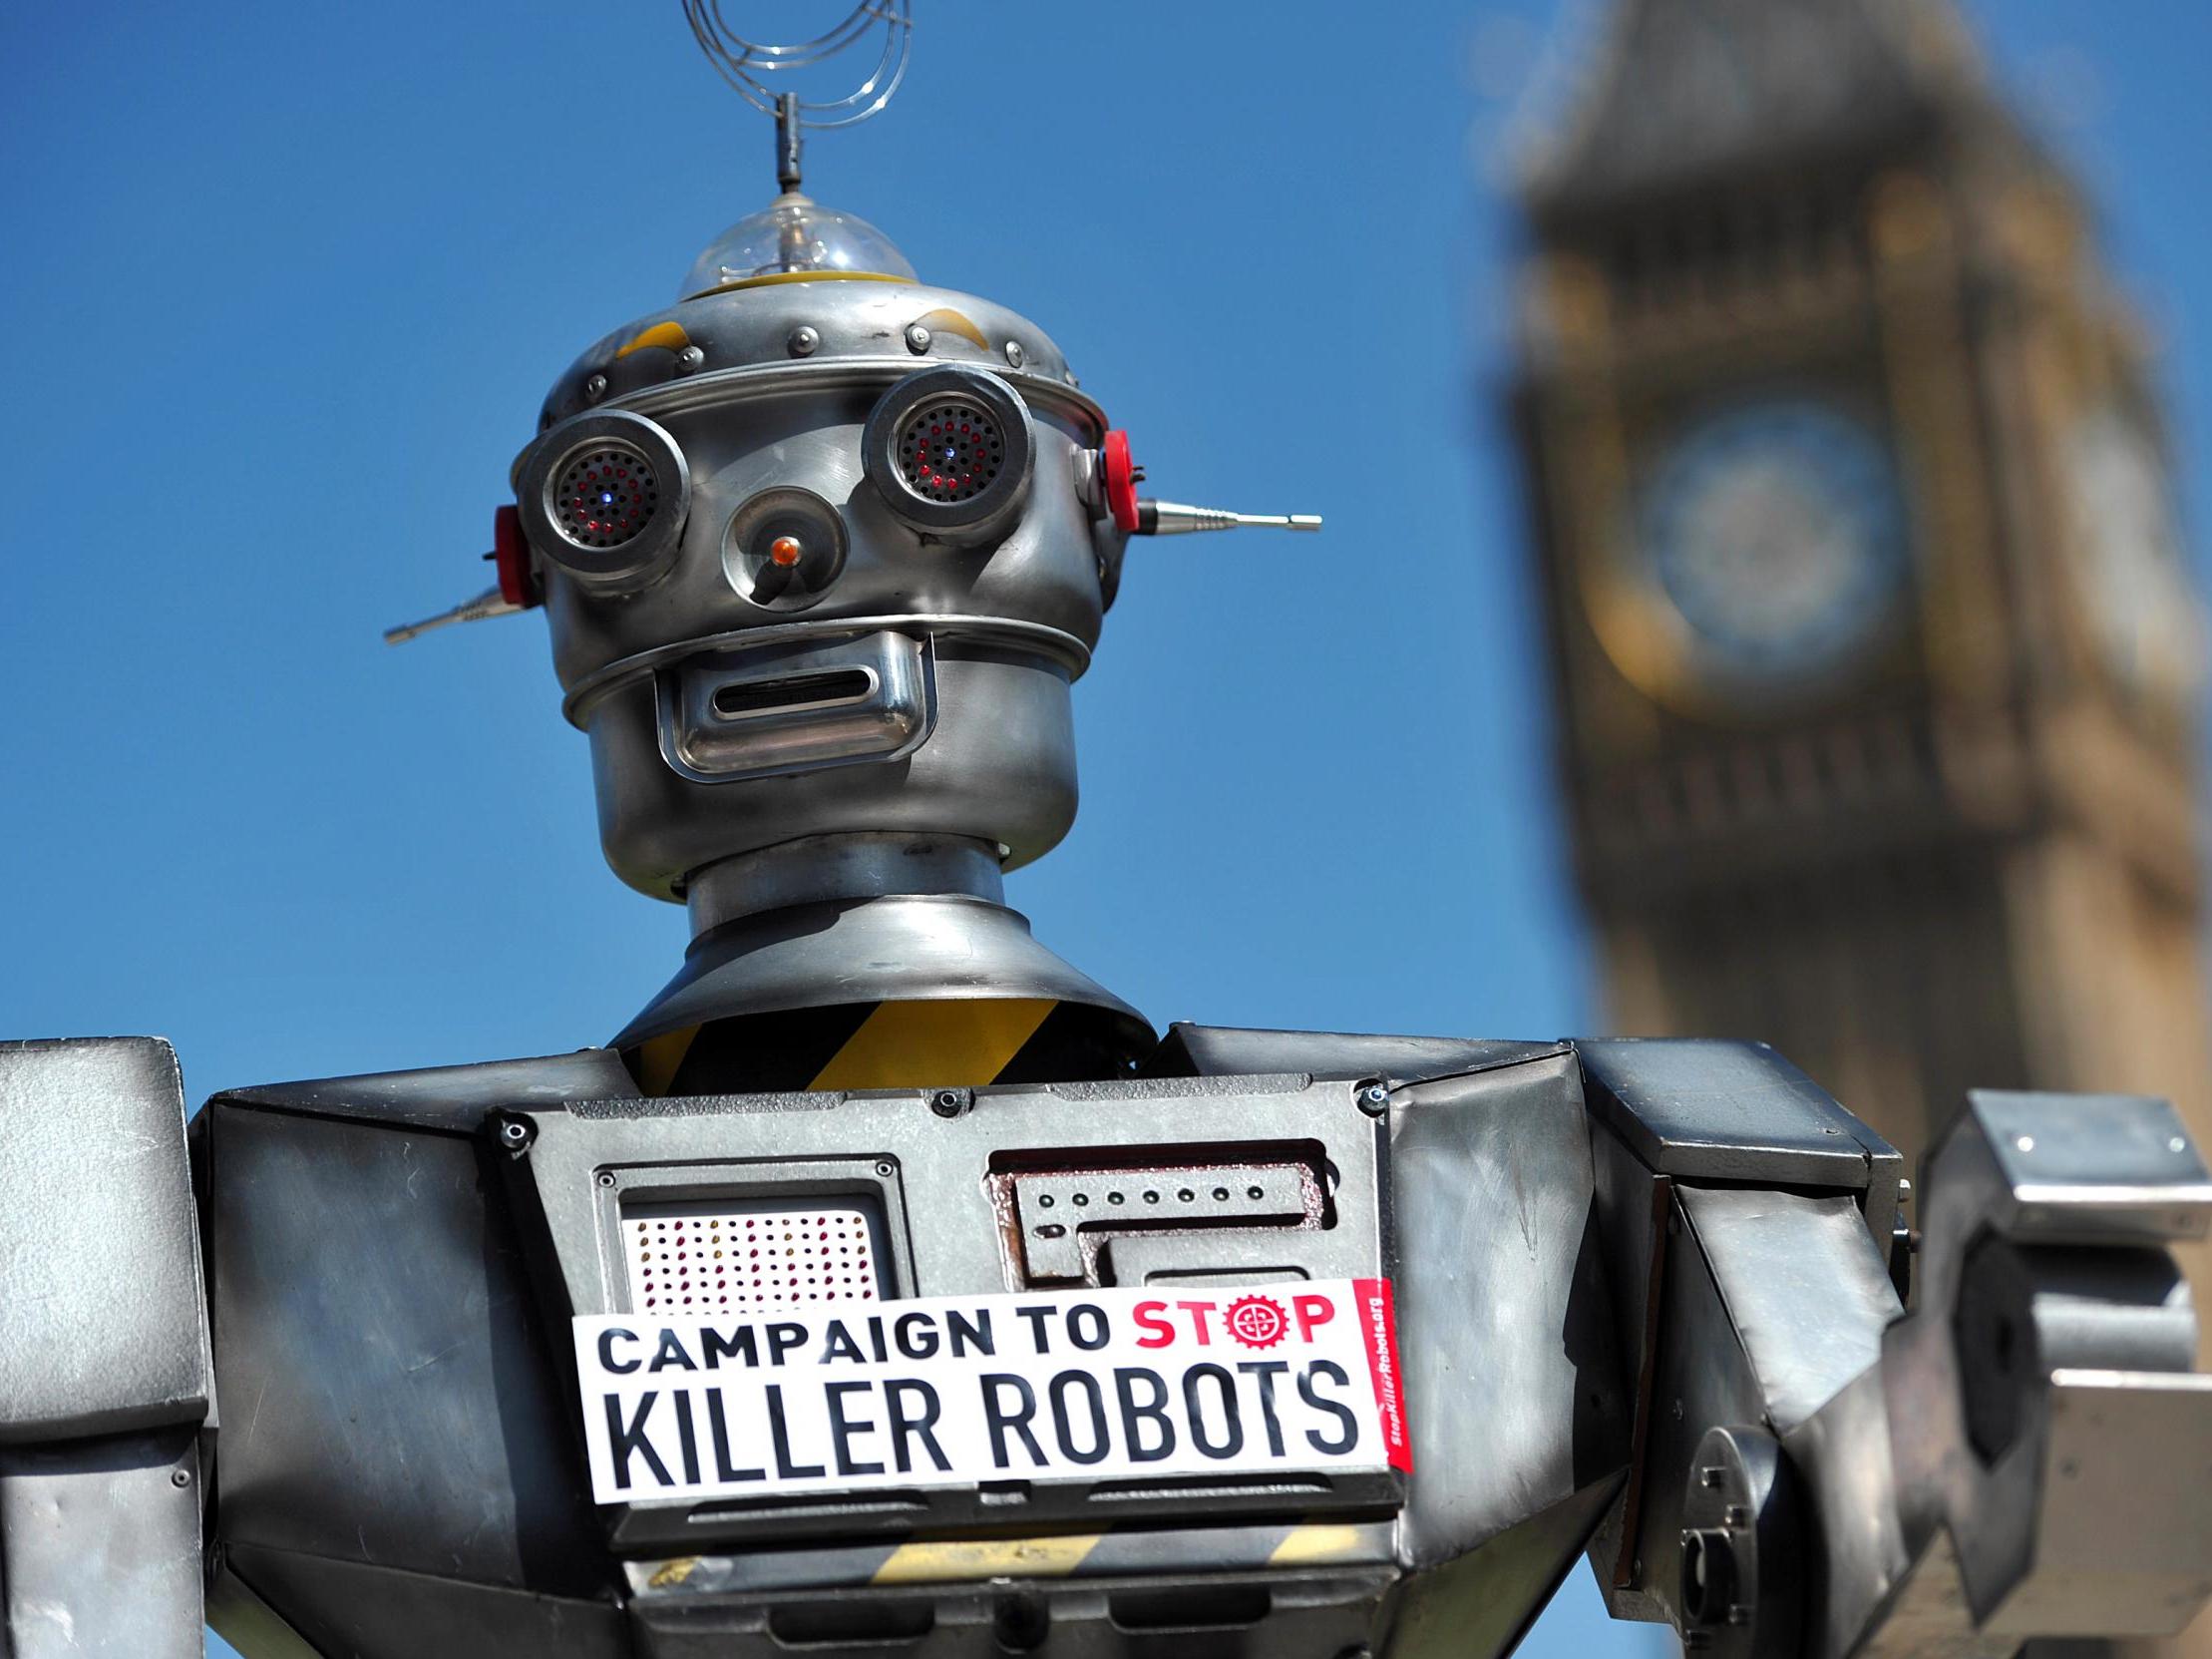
(603, 498)
(950, 450)
(606, 496)
(783, 548)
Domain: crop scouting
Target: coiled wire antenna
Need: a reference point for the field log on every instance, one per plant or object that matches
(745, 64)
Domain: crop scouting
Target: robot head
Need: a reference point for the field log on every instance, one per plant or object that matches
(822, 548)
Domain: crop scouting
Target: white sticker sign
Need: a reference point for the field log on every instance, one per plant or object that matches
(958, 1390)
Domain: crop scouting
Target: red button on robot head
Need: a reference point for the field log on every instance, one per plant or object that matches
(1122, 478)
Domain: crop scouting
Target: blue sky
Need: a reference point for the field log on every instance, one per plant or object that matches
(286, 284)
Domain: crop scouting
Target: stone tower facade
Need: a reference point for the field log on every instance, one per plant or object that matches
(1875, 656)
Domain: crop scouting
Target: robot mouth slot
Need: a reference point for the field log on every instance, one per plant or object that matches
(730, 716)
(740, 698)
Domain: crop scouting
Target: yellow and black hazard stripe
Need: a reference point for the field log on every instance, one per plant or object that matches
(952, 1042)
(1128, 1551)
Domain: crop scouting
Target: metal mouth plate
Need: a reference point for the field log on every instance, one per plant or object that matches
(750, 714)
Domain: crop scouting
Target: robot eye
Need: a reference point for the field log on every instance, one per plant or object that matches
(783, 548)
(950, 449)
(604, 498)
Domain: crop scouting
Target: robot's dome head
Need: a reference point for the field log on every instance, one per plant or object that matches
(821, 555)
(792, 237)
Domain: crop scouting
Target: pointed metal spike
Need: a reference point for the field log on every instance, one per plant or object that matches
(490, 602)
(1172, 518)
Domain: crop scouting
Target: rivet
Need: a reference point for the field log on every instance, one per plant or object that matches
(1014, 353)
(689, 358)
(180, 1478)
(947, 1103)
(606, 1177)
(1069, 377)
(918, 338)
(802, 341)
(884, 1170)
(2177, 1144)
(596, 387)
(2026, 1143)
(1372, 1098)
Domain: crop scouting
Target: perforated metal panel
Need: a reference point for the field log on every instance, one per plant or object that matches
(606, 496)
(739, 1257)
(951, 451)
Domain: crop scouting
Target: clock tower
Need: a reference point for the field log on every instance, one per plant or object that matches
(1875, 656)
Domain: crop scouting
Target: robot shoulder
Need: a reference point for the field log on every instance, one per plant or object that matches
(454, 1097)
(1707, 1110)
(102, 1327)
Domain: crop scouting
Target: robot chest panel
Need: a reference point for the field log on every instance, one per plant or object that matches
(395, 1308)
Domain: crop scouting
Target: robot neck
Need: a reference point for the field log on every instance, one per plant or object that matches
(852, 921)
(840, 869)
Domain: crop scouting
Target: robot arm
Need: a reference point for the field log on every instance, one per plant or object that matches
(105, 1380)
(1817, 1471)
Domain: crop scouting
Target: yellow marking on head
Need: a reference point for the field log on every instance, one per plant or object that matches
(767, 279)
(673, 1572)
(945, 320)
(669, 335)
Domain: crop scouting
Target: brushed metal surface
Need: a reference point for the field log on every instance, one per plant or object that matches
(103, 1323)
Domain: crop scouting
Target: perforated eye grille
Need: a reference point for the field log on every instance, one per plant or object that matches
(713, 1258)
(949, 451)
(605, 497)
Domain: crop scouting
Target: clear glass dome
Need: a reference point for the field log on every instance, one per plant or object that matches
(793, 237)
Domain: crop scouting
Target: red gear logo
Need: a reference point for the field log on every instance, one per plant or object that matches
(1256, 1321)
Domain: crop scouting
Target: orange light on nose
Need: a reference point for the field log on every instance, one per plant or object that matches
(785, 551)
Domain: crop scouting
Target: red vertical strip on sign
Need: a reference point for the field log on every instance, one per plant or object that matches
(1379, 1323)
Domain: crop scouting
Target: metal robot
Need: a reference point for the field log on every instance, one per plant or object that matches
(888, 1286)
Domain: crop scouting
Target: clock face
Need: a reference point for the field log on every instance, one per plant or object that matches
(2128, 558)
(1774, 532)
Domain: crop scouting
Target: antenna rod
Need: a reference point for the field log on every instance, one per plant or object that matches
(490, 602)
(1172, 518)
(788, 140)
